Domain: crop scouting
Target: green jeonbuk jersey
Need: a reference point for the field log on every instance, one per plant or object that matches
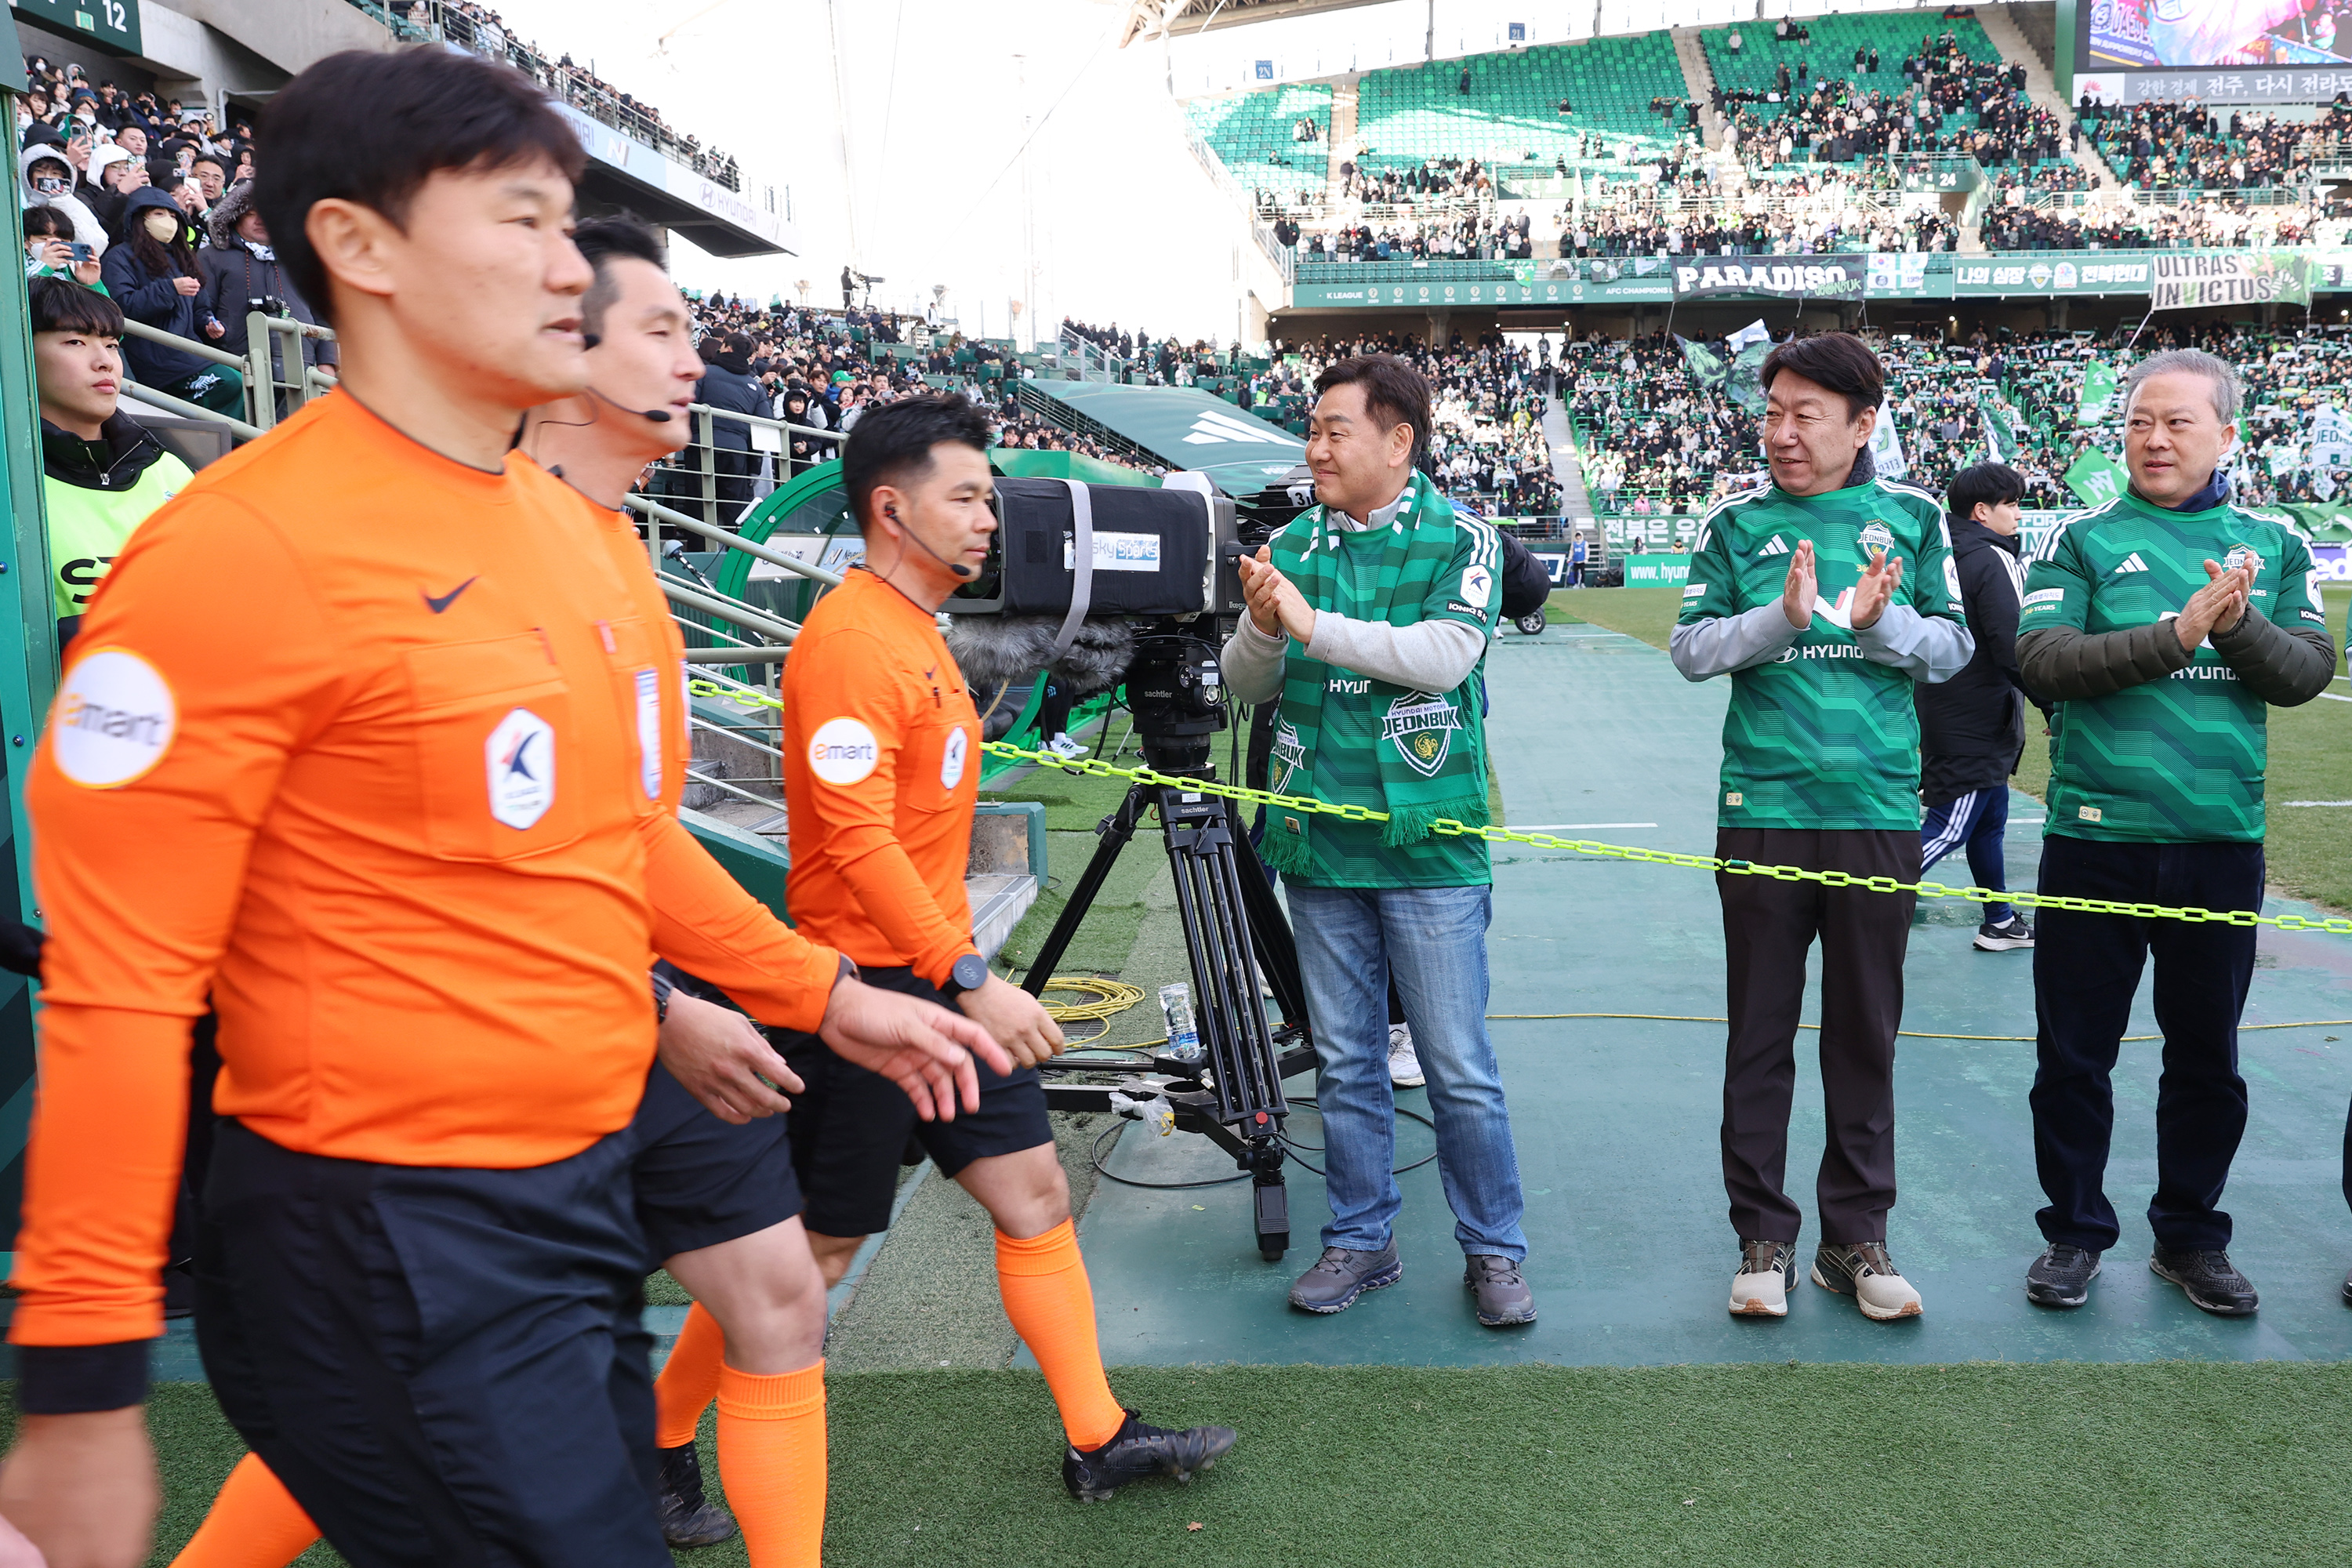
(1823, 737)
(1346, 854)
(2178, 760)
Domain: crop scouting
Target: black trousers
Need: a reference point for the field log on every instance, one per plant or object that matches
(445, 1366)
(2085, 971)
(1769, 926)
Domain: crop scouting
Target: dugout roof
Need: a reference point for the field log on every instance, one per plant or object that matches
(1182, 426)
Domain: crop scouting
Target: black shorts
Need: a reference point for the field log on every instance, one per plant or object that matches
(701, 1181)
(850, 1126)
(443, 1365)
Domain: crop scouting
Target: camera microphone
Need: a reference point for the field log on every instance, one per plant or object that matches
(957, 567)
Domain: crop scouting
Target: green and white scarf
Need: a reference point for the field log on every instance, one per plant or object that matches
(1429, 761)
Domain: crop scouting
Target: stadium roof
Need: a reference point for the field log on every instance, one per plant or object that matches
(1149, 19)
(1180, 427)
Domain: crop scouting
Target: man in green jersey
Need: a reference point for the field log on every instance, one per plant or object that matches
(2162, 624)
(1825, 594)
(1368, 620)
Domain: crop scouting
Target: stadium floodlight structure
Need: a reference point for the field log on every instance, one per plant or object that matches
(1149, 19)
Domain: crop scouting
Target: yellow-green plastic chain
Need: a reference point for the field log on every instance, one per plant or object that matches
(1093, 767)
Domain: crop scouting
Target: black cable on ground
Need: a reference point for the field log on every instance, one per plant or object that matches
(1289, 1151)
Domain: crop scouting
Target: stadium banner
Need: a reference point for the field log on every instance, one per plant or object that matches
(2292, 276)
(2047, 274)
(2095, 478)
(1656, 571)
(1808, 277)
(2195, 279)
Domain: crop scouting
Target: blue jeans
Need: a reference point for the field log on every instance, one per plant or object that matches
(1433, 942)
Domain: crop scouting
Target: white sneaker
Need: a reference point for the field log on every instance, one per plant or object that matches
(1866, 1273)
(1404, 1066)
(1063, 746)
(1767, 1269)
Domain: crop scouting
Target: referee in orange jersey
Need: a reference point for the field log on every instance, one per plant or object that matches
(409, 830)
(882, 773)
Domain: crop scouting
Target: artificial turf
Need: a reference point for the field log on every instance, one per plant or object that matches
(2309, 846)
(2169, 1461)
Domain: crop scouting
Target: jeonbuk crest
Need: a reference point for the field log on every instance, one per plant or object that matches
(1423, 727)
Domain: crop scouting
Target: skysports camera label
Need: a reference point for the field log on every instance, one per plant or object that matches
(1115, 553)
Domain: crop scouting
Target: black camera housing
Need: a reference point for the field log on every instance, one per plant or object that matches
(1156, 552)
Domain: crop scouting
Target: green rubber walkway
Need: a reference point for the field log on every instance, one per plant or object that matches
(1616, 1120)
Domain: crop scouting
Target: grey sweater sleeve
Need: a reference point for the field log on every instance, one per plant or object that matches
(1724, 644)
(1428, 655)
(1252, 663)
(1928, 648)
(2284, 665)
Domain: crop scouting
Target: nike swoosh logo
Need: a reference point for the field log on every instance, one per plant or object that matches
(449, 598)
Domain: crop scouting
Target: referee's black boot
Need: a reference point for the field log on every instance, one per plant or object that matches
(2209, 1279)
(687, 1518)
(1140, 1450)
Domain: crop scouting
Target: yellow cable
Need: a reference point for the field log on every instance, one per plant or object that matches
(1910, 1034)
(1112, 997)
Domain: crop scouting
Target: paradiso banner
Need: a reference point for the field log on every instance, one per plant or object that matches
(1823, 278)
(2192, 281)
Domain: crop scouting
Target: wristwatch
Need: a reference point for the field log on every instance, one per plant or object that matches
(969, 974)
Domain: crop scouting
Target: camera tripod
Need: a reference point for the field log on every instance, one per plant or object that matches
(1234, 932)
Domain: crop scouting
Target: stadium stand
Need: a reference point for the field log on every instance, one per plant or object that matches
(1652, 441)
(2175, 146)
(1487, 445)
(482, 30)
(1261, 137)
(1531, 107)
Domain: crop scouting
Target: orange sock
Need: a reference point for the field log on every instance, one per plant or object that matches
(689, 1379)
(255, 1522)
(771, 1462)
(1052, 1305)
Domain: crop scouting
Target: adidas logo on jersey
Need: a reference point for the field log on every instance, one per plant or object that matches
(2131, 563)
(1775, 546)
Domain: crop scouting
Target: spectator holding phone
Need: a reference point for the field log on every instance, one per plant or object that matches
(153, 276)
(52, 251)
(46, 180)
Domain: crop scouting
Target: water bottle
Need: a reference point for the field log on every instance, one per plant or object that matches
(1183, 1033)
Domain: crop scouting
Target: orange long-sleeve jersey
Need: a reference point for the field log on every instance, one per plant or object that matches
(881, 773)
(383, 753)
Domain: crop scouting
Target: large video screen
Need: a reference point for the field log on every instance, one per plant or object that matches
(2160, 34)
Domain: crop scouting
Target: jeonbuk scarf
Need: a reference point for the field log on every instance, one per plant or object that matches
(1430, 757)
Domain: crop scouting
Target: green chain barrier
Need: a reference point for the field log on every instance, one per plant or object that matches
(1094, 767)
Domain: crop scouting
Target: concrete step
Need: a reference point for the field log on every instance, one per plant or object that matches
(1574, 500)
(1698, 82)
(1343, 138)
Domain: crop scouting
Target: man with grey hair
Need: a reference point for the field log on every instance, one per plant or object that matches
(2163, 624)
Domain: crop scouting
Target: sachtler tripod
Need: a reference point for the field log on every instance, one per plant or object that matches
(1234, 932)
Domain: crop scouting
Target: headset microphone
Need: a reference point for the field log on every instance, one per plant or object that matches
(655, 416)
(957, 567)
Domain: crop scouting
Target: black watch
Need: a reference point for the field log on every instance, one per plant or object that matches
(969, 974)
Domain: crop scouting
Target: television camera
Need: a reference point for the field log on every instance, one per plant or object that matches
(1100, 583)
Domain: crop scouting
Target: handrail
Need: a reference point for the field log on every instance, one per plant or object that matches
(757, 551)
(191, 410)
(769, 654)
(185, 345)
(763, 419)
(732, 610)
(736, 735)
